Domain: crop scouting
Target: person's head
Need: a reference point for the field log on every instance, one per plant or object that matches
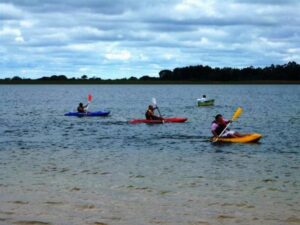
(204, 96)
(219, 118)
(150, 107)
(81, 104)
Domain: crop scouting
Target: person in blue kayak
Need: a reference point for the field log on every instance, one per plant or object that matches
(150, 114)
(82, 108)
(219, 124)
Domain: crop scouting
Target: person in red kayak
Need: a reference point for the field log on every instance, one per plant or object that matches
(150, 114)
(82, 108)
(219, 124)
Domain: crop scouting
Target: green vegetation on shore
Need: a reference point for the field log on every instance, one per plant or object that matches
(279, 74)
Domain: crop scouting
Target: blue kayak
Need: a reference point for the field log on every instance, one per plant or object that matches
(98, 113)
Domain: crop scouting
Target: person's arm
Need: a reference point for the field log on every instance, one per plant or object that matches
(227, 121)
(213, 129)
(214, 133)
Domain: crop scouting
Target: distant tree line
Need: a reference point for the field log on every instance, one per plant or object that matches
(289, 72)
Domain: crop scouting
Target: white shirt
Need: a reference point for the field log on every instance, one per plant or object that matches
(201, 99)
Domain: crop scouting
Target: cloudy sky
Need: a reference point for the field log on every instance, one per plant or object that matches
(123, 38)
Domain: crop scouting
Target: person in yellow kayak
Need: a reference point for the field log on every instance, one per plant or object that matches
(219, 124)
(150, 114)
(82, 108)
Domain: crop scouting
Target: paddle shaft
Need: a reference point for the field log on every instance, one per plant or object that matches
(158, 111)
(154, 103)
(220, 135)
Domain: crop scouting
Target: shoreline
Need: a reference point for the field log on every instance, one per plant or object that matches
(82, 82)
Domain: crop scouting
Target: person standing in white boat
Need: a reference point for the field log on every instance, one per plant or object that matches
(203, 99)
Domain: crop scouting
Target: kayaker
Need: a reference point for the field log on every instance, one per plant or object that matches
(82, 108)
(150, 114)
(219, 124)
(203, 99)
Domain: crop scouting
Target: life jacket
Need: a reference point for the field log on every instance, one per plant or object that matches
(80, 109)
(148, 115)
(220, 127)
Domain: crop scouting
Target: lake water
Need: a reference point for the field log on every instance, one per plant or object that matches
(67, 170)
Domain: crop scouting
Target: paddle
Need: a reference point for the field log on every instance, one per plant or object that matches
(236, 115)
(90, 97)
(155, 104)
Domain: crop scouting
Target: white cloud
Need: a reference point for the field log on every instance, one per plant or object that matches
(168, 56)
(82, 47)
(26, 23)
(292, 54)
(11, 35)
(195, 7)
(10, 12)
(122, 55)
(84, 69)
(8, 31)
(19, 39)
(143, 57)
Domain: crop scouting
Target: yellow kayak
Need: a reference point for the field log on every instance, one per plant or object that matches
(245, 139)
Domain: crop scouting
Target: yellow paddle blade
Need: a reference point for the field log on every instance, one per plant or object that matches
(237, 113)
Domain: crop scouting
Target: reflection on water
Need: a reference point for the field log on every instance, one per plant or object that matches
(60, 170)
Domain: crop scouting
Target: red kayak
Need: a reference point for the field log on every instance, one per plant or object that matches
(165, 120)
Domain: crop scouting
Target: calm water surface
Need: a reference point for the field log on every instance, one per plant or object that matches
(64, 170)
